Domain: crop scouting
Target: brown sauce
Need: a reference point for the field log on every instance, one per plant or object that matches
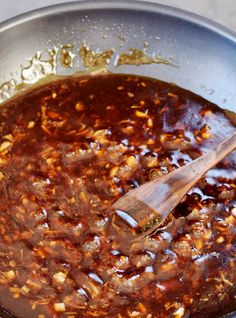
(68, 151)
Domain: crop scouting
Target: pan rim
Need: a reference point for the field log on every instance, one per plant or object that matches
(128, 5)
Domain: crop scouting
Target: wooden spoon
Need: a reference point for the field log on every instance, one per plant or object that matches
(145, 208)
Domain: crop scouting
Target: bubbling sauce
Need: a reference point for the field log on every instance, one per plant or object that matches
(68, 151)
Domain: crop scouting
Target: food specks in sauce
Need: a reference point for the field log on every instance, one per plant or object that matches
(68, 151)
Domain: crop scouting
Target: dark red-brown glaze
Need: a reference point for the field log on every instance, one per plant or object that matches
(68, 151)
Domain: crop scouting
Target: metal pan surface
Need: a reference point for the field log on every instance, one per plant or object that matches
(204, 53)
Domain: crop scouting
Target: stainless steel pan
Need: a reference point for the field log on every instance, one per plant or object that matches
(204, 52)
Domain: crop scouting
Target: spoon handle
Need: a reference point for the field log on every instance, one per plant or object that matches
(183, 179)
(214, 156)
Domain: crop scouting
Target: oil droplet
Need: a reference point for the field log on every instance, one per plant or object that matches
(92, 59)
(67, 56)
(7, 89)
(139, 57)
(210, 91)
(39, 67)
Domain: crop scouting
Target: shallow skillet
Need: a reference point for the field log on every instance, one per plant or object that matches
(204, 53)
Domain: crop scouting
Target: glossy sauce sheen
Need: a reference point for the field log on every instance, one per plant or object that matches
(68, 151)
